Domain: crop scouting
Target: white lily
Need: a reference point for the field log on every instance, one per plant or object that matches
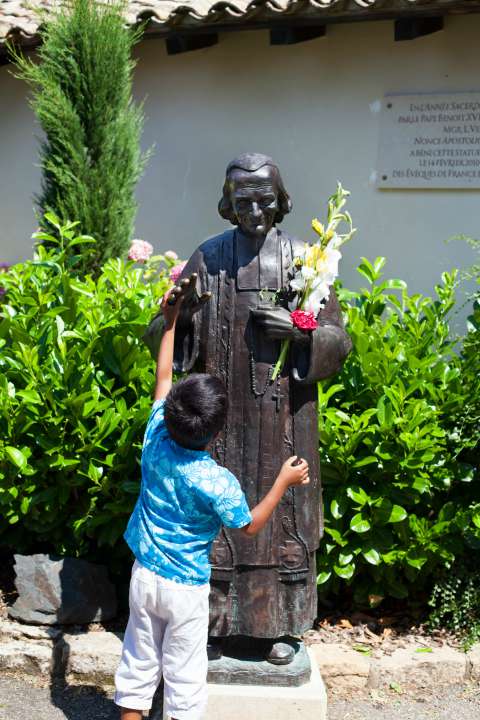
(298, 283)
(307, 272)
(317, 299)
(336, 241)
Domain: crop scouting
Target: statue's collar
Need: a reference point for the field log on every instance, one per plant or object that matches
(254, 246)
(258, 269)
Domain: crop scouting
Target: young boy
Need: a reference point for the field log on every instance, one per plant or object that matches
(184, 499)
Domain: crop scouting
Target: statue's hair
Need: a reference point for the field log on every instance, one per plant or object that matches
(250, 162)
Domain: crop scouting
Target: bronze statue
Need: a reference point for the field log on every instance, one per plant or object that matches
(263, 588)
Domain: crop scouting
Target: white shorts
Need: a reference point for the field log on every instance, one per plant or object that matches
(166, 635)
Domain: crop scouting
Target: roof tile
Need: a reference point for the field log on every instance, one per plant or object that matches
(22, 19)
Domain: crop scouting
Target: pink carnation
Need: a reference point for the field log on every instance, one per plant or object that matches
(140, 251)
(176, 271)
(303, 320)
(171, 255)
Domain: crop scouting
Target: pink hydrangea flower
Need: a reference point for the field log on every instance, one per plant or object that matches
(140, 250)
(3, 268)
(176, 271)
(303, 320)
(171, 255)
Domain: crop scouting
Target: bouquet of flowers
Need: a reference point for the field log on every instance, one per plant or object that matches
(313, 272)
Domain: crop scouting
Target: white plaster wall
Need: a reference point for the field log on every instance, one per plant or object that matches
(309, 106)
(19, 172)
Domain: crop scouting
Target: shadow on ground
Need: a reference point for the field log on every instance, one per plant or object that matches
(76, 702)
(82, 702)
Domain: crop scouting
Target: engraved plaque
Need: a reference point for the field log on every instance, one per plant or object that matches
(429, 141)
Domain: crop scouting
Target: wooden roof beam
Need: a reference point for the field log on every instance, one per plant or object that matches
(412, 28)
(177, 44)
(293, 35)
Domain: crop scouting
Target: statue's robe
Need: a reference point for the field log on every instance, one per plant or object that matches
(265, 586)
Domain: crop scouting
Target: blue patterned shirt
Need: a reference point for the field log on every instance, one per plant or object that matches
(185, 497)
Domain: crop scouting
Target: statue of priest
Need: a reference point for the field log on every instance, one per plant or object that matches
(264, 587)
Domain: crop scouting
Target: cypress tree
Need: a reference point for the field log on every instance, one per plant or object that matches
(82, 96)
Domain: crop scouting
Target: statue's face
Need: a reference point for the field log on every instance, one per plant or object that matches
(254, 197)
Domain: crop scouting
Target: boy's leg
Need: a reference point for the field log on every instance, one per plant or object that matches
(139, 672)
(130, 714)
(184, 653)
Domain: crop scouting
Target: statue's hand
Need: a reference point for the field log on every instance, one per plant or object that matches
(278, 325)
(275, 321)
(192, 302)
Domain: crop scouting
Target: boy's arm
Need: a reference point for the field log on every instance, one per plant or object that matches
(171, 304)
(293, 472)
(163, 375)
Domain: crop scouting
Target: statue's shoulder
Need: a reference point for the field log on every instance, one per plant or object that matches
(214, 244)
(213, 251)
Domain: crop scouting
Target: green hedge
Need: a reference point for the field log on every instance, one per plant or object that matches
(400, 487)
(399, 500)
(75, 393)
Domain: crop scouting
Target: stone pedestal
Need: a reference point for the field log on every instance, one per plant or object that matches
(244, 666)
(269, 702)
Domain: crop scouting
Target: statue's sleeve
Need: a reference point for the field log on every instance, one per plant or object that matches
(329, 346)
(187, 331)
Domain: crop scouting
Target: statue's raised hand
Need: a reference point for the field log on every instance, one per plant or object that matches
(190, 304)
(187, 291)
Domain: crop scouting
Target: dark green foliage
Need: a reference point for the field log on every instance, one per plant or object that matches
(401, 496)
(81, 94)
(467, 419)
(75, 392)
(456, 603)
(455, 598)
(397, 496)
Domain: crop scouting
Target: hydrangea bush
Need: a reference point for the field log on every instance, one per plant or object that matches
(75, 392)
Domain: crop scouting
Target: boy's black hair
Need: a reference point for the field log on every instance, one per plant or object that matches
(195, 410)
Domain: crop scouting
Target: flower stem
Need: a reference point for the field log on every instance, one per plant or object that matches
(281, 360)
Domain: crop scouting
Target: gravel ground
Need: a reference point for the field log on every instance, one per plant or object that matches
(453, 703)
(20, 700)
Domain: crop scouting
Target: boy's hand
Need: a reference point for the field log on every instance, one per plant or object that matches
(187, 290)
(294, 472)
(171, 309)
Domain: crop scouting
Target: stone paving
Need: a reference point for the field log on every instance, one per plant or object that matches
(18, 697)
